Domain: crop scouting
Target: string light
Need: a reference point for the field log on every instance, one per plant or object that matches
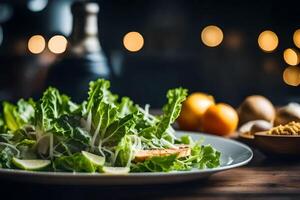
(133, 41)
(57, 44)
(296, 38)
(36, 44)
(291, 57)
(212, 36)
(291, 76)
(268, 41)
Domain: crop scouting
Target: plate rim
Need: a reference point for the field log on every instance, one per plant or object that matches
(139, 174)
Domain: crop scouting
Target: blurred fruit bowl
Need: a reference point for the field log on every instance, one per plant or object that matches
(201, 113)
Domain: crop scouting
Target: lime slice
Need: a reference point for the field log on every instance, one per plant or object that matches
(94, 159)
(30, 164)
(116, 170)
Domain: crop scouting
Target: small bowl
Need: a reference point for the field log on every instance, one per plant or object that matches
(246, 138)
(277, 144)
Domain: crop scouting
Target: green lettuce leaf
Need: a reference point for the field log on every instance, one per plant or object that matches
(157, 131)
(75, 163)
(50, 107)
(100, 110)
(186, 139)
(102, 117)
(124, 152)
(6, 137)
(69, 127)
(118, 129)
(6, 156)
(155, 164)
(11, 117)
(3, 127)
(126, 107)
(56, 128)
(99, 92)
(107, 120)
(205, 157)
(26, 110)
(27, 149)
(202, 156)
(16, 116)
(171, 110)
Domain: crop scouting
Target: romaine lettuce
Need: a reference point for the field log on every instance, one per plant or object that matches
(57, 129)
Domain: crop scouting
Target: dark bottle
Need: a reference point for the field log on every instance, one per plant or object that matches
(84, 59)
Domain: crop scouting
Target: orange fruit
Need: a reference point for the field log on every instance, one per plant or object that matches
(193, 109)
(220, 119)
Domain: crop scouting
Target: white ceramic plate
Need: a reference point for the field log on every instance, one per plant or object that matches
(233, 154)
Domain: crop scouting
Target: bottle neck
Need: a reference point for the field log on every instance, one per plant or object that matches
(84, 36)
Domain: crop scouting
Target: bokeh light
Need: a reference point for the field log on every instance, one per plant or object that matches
(291, 76)
(6, 12)
(296, 38)
(133, 41)
(268, 41)
(291, 56)
(36, 44)
(271, 66)
(37, 5)
(233, 40)
(57, 44)
(212, 36)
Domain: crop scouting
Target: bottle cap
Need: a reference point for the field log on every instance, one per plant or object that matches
(85, 7)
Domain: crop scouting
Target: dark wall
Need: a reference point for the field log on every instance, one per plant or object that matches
(173, 54)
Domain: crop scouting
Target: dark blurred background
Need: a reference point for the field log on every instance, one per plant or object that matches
(166, 49)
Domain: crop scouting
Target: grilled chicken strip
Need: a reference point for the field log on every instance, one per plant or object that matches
(182, 151)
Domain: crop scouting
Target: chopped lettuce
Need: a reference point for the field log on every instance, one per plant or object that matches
(171, 110)
(124, 152)
(69, 127)
(6, 155)
(74, 163)
(3, 127)
(49, 108)
(57, 129)
(205, 157)
(201, 157)
(156, 164)
(16, 116)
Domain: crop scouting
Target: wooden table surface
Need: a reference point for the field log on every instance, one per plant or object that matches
(263, 178)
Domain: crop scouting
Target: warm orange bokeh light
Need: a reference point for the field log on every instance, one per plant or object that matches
(212, 36)
(291, 57)
(57, 44)
(36, 44)
(133, 41)
(268, 41)
(291, 76)
(296, 38)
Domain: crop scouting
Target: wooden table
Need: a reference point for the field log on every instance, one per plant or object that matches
(263, 178)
